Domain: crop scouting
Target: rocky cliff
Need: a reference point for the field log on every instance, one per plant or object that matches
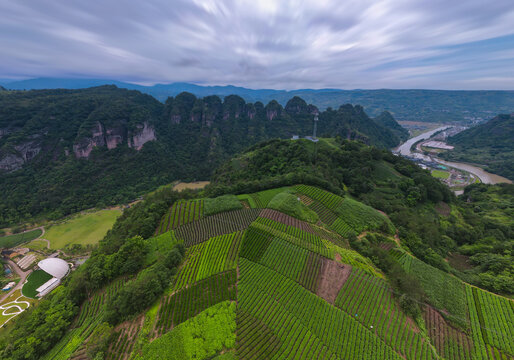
(103, 136)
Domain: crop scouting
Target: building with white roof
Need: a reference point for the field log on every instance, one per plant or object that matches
(56, 267)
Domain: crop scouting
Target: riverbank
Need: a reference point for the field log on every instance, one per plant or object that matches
(484, 176)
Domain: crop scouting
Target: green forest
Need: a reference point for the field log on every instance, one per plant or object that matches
(41, 129)
(489, 144)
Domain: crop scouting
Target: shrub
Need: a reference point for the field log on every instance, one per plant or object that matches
(290, 205)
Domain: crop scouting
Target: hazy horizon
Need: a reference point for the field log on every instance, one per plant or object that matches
(386, 44)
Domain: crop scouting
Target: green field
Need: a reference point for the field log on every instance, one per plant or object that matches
(16, 239)
(84, 229)
(440, 174)
(35, 280)
(37, 245)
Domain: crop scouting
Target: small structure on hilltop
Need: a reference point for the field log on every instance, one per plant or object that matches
(56, 267)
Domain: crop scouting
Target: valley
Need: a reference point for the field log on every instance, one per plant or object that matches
(432, 160)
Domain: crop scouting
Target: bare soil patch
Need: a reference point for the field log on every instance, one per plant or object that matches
(192, 185)
(332, 277)
(443, 208)
(459, 261)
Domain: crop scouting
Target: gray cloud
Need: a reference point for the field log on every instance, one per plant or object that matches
(264, 43)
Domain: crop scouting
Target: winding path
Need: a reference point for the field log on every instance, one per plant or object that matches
(13, 305)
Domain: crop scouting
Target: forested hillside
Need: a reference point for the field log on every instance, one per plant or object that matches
(62, 151)
(405, 105)
(490, 144)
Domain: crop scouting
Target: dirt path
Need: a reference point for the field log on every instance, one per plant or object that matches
(22, 274)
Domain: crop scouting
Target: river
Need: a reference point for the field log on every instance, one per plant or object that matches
(484, 176)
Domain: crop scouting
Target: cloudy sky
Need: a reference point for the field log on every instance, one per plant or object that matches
(444, 44)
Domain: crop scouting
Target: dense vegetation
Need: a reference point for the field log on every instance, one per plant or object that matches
(20, 238)
(490, 144)
(42, 131)
(343, 286)
(119, 254)
(422, 105)
(414, 201)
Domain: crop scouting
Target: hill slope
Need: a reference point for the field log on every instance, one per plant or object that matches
(490, 144)
(257, 283)
(278, 268)
(62, 151)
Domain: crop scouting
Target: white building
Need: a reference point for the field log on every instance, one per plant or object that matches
(56, 267)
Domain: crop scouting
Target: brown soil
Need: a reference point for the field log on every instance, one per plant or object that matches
(331, 278)
(305, 199)
(459, 262)
(443, 208)
(193, 185)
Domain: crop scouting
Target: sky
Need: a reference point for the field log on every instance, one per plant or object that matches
(361, 44)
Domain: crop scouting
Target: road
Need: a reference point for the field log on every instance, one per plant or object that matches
(22, 274)
(484, 176)
(404, 149)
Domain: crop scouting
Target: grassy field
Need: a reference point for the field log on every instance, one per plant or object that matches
(37, 245)
(440, 174)
(86, 228)
(35, 280)
(16, 239)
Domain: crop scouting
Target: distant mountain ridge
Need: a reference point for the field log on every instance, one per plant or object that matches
(412, 104)
(490, 144)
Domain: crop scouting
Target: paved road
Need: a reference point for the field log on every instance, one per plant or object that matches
(404, 149)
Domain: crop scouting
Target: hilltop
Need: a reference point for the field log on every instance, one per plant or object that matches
(103, 146)
(405, 105)
(489, 144)
(282, 254)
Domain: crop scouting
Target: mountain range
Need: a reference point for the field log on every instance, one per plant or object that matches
(66, 150)
(404, 105)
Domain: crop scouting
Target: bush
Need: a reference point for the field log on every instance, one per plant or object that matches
(290, 205)
(221, 204)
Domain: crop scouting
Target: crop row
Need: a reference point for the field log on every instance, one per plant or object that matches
(444, 292)
(285, 219)
(123, 342)
(219, 224)
(254, 339)
(291, 261)
(307, 326)
(328, 199)
(189, 302)
(180, 213)
(449, 342)
(262, 198)
(369, 300)
(325, 214)
(92, 307)
(255, 243)
(294, 235)
(342, 228)
(359, 216)
(496, 316)
(64, 349)
(208, 258)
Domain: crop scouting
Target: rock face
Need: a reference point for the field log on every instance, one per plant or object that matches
(19, 155)
(112, 137)
(144, 134)
(83, 147)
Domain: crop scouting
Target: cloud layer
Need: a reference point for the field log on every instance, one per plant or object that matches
(264, 43)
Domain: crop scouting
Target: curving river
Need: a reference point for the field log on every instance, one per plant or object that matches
(484, 176)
